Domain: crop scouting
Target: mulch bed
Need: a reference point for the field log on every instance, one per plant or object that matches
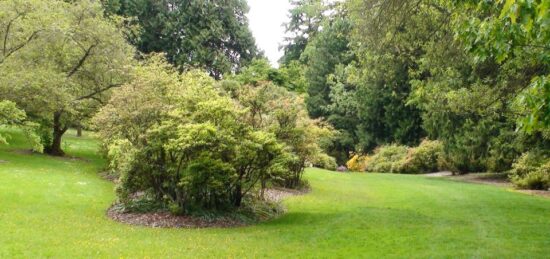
(168, 220)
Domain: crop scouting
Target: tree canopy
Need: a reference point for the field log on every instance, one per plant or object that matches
(211, 35)
(59, 61)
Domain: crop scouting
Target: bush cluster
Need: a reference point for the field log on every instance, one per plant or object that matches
(193, 146)
(531, 171)
(427, 157)
(387, 159)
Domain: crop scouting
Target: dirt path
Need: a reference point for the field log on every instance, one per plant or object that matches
(489, 179)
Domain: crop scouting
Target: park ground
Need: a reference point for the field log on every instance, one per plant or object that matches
(55, 207)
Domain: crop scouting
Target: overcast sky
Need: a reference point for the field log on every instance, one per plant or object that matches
(266, 18)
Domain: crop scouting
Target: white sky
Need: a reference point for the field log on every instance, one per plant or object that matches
(266, 18)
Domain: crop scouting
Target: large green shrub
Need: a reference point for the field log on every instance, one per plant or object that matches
(387, 159)
(184, 141)
(531, 171)
(177, 138)
(425, 158)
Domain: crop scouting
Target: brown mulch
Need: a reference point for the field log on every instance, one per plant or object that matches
(168, 220)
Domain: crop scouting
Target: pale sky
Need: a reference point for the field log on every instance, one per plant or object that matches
(266, 18)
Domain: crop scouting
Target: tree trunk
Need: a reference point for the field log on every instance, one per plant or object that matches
(58, 131)
(237, 196)
(79, 130)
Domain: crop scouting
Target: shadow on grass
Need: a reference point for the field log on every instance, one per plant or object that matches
(353, 215)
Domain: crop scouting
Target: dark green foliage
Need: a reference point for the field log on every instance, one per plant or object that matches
(324, 52)
(213, 35)
(305, 18)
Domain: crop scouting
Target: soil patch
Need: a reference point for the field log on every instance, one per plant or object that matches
(545, 194)
(499, 180)
(484, 178)
(439, 174)
(168, 220)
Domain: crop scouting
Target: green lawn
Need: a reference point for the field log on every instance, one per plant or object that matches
(55, 207)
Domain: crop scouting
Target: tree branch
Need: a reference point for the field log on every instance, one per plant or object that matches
(8, 32)
(93, 94)
(11, 51)
(81, 61)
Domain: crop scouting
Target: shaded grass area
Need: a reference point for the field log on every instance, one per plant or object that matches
(55, 207)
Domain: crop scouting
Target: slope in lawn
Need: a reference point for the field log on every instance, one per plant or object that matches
(55, 207)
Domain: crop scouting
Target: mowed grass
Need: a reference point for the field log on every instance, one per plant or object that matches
(55, 207)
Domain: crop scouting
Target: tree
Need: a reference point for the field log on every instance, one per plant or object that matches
(289, 76)
(323, 53)
(212, 35)
(509, 31)
(305, 19)
(59, 72)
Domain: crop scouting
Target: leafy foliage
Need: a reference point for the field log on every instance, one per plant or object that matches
(284, 114)
(211, 35)
(187, 143)
(59, 61)
(531, 171)
(387, 159)
(9, 115)
(426, 158)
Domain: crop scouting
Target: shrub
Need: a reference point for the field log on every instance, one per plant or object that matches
(387, 159)
(195, 149)
(358, 163)
(531, 171)
(326, 162)
(425, 158)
